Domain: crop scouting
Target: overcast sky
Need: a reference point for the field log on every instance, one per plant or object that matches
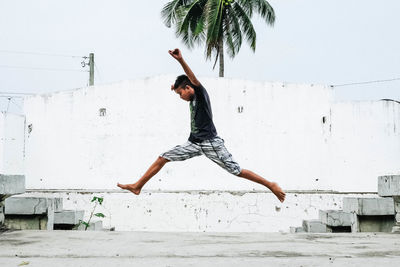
(313, 41)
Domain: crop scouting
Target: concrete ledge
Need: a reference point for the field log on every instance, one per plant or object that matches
(12, 184)
(314, 226)
(197, 192)
(192, 212)
(294, 230)
(335, 218)
(93, 226)
(369, 206)
(23, 205)
(389, 185)
(68, 217)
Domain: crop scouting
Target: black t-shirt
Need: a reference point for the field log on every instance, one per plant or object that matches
(202, 126)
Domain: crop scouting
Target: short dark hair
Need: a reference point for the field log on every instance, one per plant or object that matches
(181, 82)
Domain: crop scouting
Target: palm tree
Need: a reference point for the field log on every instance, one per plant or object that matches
(217, 23)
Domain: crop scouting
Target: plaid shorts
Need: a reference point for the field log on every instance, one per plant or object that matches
(213, 149)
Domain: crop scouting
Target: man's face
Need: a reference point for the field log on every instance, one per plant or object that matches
(186, 93)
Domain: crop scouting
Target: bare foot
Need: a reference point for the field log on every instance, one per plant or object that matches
(131, 187)
(278, 192)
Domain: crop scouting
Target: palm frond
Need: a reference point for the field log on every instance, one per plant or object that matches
(199, 34)
(232, 33)
(230, 44)
(246, 26)
(247, 6)
(191, 22)
(197, 23)
(265, 10)
(169, 11)
(214, 11)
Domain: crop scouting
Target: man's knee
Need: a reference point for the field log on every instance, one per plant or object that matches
(238, 174)
(162, 160)
(241, 173)
(234, 171)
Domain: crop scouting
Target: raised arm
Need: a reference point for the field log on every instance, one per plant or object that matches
(176, 53)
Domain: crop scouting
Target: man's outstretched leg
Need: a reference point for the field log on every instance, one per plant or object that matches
(274, 187)
(154, 168)
(177, 153)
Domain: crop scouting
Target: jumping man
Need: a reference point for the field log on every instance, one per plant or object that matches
(203, 137)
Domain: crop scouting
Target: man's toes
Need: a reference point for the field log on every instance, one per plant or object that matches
(121, 186)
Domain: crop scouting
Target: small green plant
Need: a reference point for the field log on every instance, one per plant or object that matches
(97, 201)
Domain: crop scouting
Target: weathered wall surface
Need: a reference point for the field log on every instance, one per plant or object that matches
(292, 133)
(207, 211)
(12, 131)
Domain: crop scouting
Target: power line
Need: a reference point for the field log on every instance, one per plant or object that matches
(37, 54)
(34, 68)
(366, 82)
(12, 93)
(8, 96)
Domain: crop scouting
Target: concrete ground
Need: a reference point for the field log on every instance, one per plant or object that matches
(78, 248)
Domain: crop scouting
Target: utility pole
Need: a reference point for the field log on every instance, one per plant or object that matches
(91, 72)
(84, 63)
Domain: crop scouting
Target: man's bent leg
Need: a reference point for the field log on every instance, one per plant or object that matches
(274, 187)
(153, 170)
(215, 150)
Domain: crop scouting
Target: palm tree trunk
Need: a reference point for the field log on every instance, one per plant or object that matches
(221, 57)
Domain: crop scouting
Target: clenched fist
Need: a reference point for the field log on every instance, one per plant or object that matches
(176, 53)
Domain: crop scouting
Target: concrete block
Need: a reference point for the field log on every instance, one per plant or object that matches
(28, 222)
(363, 223)
(368, 206)
(93, 226)
(314, 226)
(335, 218)
(294, 230)
(396, 227)
(389, 185)
(68, 217)
(23, 205)
(22, 212)
(12, 184)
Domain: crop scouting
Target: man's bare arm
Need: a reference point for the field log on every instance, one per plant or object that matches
(176, 53)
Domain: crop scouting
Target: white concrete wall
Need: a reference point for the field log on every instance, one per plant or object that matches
(365, 144)
(280, 134)
(12, 131)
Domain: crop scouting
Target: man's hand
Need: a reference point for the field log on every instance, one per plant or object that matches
(176, 53)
